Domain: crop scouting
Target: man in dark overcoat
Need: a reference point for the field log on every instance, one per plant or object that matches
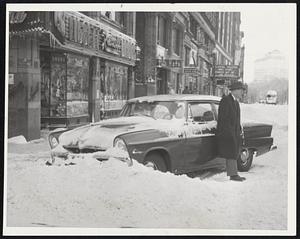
(228, 133)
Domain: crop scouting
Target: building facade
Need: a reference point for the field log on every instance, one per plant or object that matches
(229, 51)
(67, 67)
(176, 52)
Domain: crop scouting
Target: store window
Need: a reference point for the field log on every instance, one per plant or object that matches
(58, 86)
(77, 85)
(116, 84)
(45, 84)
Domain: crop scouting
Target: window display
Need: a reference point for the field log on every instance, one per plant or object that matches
(115, 85)
(58, 86)
(77, 85)
(45, 84)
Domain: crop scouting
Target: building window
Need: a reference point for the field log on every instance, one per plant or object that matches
(187, 56)
(110, 15)
(193, 26)
(161, 31)
(176, 41)
(121, 18)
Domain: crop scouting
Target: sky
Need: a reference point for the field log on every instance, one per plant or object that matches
(265, 29)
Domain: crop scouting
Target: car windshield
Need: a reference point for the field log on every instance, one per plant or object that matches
(157, 109)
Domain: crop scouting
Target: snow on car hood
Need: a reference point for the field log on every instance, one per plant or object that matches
(101, 135)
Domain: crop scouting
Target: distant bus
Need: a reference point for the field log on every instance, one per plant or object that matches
(271, 97)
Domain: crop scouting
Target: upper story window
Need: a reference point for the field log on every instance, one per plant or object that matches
(162, 31)
(187, 56)
(110, 15)
(176, 41)
(193, 26)
(121, 18)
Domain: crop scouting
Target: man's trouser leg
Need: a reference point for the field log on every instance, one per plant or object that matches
(231, 167)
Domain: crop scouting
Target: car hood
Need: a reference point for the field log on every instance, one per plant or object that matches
(101, 135)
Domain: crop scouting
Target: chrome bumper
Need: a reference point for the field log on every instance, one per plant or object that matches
(273, 147)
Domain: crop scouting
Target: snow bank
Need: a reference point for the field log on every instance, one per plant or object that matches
(17, 140)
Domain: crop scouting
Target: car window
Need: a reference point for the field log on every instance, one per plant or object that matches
(201, 112)
(161, 112)
(216, 106)
(157, 109)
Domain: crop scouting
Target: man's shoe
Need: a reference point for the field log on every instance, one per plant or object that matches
(237, 178)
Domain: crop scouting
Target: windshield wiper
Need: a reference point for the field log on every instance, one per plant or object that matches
(137, 114)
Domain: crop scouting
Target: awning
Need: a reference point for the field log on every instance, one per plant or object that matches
(115, 46)
(26, 22)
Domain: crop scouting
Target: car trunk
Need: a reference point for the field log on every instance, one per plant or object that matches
(257, 130)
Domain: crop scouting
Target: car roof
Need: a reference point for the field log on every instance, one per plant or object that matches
(176, 97)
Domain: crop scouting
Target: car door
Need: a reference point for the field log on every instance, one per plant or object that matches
(200, 146)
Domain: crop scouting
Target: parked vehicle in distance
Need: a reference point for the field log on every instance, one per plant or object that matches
(262, 101)
(271, 97)
(173, 133)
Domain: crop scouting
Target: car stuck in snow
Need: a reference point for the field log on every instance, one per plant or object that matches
(174, 133)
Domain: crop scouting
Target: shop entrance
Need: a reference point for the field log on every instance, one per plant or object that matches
(162, 84)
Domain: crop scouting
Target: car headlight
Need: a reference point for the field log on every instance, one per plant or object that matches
(120, 145)
(53, 141)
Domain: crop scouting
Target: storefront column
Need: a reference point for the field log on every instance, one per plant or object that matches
(150, 52)
(131, 89)
(24, 105)
(95, 93)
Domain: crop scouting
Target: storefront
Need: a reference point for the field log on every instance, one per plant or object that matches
(83, 67)
(89, 73)
(192, 79)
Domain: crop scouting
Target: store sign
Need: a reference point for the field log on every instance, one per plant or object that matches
(191, 70)
(169, 63)
(17, 17)
(93, 35)
(113, 44)
(227, 71)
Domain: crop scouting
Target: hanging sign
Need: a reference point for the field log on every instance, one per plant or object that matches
(227, 71)
(191, 70)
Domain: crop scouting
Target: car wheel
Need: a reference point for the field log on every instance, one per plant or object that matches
(156, 162)
(244, 161)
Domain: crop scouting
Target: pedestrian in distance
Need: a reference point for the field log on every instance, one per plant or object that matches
(186, 90)
(228, 133)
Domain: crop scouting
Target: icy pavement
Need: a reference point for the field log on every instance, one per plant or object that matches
(111, 194)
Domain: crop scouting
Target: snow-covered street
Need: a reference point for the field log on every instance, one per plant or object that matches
(111, 194)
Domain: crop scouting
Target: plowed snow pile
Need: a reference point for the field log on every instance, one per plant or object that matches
(111, 194)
